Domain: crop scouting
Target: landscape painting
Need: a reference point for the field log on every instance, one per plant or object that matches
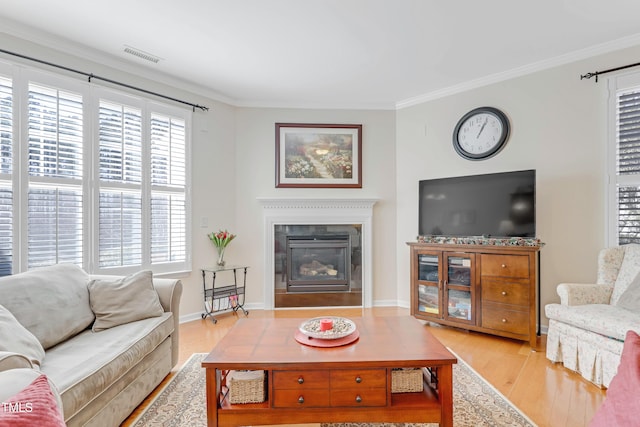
(318, 155)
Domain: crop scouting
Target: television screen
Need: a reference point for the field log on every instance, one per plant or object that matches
(492, 205)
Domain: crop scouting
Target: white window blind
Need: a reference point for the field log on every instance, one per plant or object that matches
(55, 199)
(168, 189)
(6, 168)
(6, 126)
(120, 205)
(6, 229)
(627, 131)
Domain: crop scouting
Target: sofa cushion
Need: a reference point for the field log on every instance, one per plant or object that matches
(86, 365)
(630, 299)
(51, 302)
(123, 300)
(629, 269)
(35, 405)
(622, 406)
(604, 319)
(16, 338)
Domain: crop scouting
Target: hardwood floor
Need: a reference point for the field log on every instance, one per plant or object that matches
(547, 393)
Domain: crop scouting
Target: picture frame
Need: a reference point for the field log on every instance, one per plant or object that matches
(318, 155)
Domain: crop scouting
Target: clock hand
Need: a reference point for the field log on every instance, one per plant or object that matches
(482, 128)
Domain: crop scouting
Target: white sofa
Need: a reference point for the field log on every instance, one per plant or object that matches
(102, 363)
(587, 329)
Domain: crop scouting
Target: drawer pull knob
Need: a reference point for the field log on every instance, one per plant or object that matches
(358, 379)
(504, 265)
(300, 380)
(301, 399)
(504, 320)
(358, 399)
(504, 293)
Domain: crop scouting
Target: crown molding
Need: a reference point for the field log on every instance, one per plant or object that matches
(578, 55)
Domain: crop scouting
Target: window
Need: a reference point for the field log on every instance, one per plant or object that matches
(55, 163)
(624, 163)
(6, 181)
(99, 178)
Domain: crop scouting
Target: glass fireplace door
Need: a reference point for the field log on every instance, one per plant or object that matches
(316, 265)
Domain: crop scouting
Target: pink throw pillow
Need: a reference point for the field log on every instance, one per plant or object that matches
(622, 405)
(33, 406)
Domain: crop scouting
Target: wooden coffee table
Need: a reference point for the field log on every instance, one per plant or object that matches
(351, 383)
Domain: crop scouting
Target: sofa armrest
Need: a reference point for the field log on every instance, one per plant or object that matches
(581, 294)
(170, 292)
(11, 360)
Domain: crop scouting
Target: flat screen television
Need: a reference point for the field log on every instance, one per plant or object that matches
(491, 205)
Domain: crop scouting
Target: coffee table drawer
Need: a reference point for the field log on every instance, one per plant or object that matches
(358, 378)
(359, 397)
(300, 379)
(310, 398)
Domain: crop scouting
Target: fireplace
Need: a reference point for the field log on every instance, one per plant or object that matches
(318, 263)
(317, 275)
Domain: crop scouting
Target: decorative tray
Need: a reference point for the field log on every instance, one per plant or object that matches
(340, 327)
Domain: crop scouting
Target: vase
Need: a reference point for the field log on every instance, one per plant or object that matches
(221, 260)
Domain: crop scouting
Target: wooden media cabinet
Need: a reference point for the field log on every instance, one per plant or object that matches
(485, 288)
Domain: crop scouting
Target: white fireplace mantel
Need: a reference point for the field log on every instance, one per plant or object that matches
(311, 211)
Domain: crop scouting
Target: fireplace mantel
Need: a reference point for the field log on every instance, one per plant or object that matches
(292, 211)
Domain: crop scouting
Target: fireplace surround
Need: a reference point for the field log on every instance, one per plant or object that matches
(323, 213)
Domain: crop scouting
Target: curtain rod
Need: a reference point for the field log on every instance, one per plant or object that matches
(597, 73)
(93, 76)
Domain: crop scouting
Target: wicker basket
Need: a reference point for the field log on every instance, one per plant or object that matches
(406, 380)
(246, 386)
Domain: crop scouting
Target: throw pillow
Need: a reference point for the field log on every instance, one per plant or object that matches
(119, 301)
(52, 302)
(34, 406)
(17, 339)
(630, 298)
(622, 406)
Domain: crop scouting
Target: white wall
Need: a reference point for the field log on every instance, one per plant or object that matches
(255, 177)
(559, 128)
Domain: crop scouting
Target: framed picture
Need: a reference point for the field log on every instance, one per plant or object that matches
(318, 155)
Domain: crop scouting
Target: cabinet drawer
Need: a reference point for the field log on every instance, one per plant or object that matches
(309, 398)
(301, 379)
(368, 397)
(358, 378)
(505, 265)
(505, 292)
(513, 321)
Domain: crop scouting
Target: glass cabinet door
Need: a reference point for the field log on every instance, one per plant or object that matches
(429, 284)
(459, 304)
(459, 292)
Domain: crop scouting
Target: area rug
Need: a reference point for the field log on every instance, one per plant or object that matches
(476, 403)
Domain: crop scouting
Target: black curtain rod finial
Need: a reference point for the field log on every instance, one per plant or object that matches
(597, 73)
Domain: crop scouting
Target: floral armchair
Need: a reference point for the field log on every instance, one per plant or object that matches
(587, 329)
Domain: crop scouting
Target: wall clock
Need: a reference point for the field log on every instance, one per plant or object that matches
(481, 133)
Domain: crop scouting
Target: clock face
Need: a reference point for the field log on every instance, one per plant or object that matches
(481, 133)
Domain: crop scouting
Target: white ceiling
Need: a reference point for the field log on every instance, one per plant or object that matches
(328, 53)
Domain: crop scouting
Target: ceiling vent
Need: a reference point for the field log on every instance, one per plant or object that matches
(141, 54)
